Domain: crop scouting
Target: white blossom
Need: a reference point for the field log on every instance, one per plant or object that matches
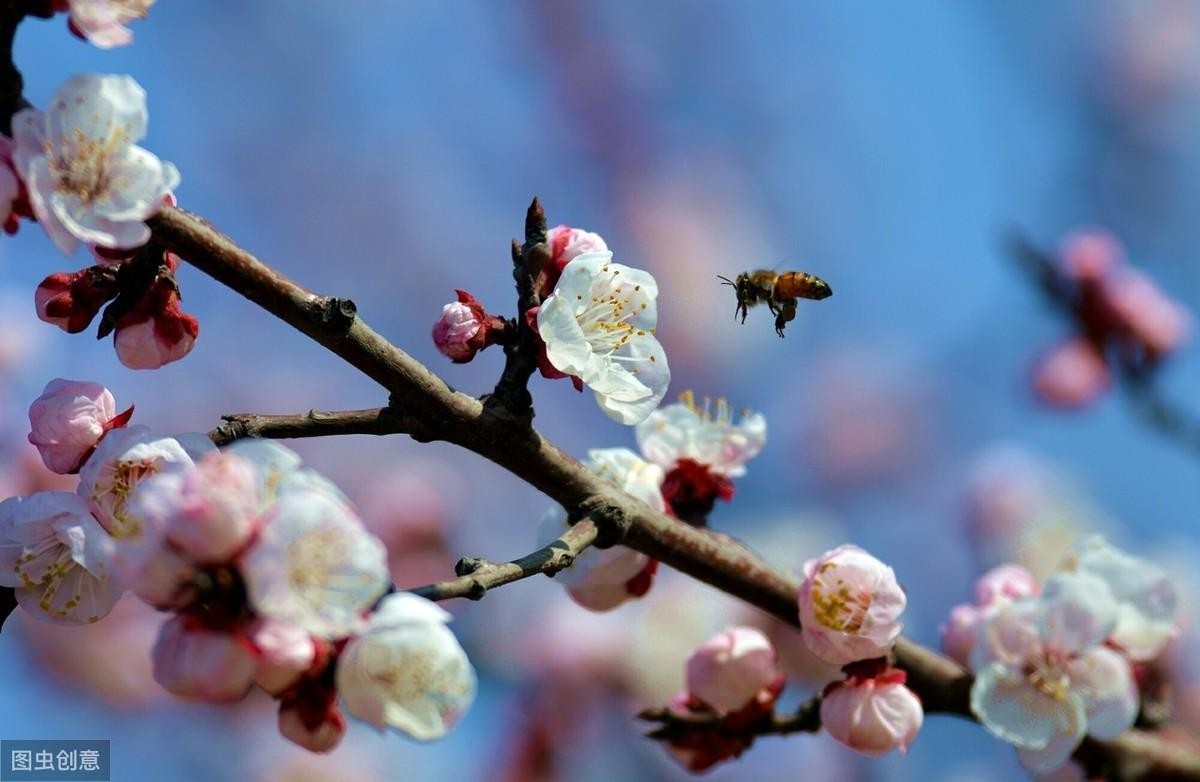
(88, 182)
(407, 670)
(102, 22)
(702, 434)
(57, 557)
(598, 325)
(314, 563)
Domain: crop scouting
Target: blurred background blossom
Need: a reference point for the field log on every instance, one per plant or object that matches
(386, 152)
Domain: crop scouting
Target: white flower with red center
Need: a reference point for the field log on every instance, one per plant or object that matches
(68, 419)
(88, 182)
(102, 22)
(706, 435)
(124, 458)
(406, 669)
(733, 670)
(850, 606)
(1147, 605)
(598, 326)
(1043, 677)
(57, 557)
(872, 714)
(602, 579)
(314, 564)
(194, 661)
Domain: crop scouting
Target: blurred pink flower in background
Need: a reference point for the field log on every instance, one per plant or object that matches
(192, 661)
(996, 588)
(733, 669)
(405, 506)
(1072, 375)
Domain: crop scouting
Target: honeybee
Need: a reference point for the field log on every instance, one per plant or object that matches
(779, 290)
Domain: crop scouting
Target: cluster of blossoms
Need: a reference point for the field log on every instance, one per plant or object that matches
(271, 577)
(595, 325)
(1122, 319)
(1055, 664)
(75, 168)
(688, 457)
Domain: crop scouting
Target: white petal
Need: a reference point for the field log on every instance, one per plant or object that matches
(1109, 692)
(1021, 714)
(1077, 612)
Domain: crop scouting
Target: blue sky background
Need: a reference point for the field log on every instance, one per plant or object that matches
(386, 151)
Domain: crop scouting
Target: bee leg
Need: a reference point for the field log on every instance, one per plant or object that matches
(785, 314)
(742, 309)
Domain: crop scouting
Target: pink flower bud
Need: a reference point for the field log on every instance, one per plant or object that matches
(1089, 256)
(1156, 322)
(731, 669)
(321, 735)
(285, 653)
(1072, 375)
(194, 662)
(872, 715)
(68, 419)
(566, 244)
(960, 631)
(465, 328)
(701, 749)
(850, 606)
(71, 301)
(1003, 584)
(150, 338)
(215, 507)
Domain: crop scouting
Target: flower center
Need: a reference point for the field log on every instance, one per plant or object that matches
(1048, 673)
(80, 164)
(125, 477)
(837, 606)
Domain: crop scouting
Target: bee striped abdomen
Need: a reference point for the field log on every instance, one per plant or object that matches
(790, 285)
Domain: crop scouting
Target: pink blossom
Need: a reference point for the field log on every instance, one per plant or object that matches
(285, 652)
(210, 512)
(320, 735)
(102, 22)
(1003, 584)
(192, 661)
(465, 328)
(850, 605)
(68, 419)
(566, 244)
(1072, 375)
(872, 715)
(730, 670)
(71, 301)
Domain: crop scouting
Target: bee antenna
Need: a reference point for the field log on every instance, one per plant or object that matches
(725, 280)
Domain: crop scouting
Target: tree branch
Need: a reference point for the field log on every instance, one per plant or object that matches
(440, 413)
(314, 423)
(675, 726)
(477, 576)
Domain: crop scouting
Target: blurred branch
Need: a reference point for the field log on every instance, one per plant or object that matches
(477, 576)
(1136, 378)
(441, 413)
(314, 423)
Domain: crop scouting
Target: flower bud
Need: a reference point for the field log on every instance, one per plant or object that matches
(960, 631)
(1155, 321)
(850, 605)
(214, 510)
(872, 715)
(149, 338)
(731, 669)
(701, 749)
(71, 301)
(192, 661)
(1072, 375)
(565, 245)
(465, 328)
(285, 652)
(1088, 256)
(320, 733)
(68, 419)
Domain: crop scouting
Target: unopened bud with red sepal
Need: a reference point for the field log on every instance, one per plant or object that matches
(72, 300)
(465, 328)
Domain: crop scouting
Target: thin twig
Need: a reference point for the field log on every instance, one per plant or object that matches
(477, 576)
(673, 725)
(314, 423)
